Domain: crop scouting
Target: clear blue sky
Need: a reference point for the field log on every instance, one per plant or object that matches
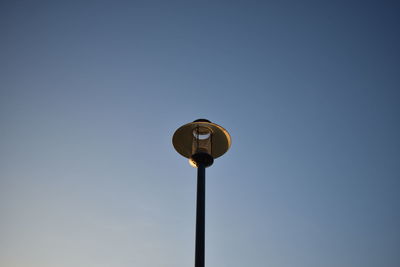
(92, 91)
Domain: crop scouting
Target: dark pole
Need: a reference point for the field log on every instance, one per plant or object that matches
(200, 215)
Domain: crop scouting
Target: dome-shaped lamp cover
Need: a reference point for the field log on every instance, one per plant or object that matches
(201, 136)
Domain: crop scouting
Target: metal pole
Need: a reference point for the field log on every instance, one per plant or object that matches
(200, 216)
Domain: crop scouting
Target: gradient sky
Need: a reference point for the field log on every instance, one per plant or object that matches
(91, 93)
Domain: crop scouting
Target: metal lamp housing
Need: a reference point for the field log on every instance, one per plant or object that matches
(201, 142)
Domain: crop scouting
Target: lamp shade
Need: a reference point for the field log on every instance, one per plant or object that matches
(201, 136)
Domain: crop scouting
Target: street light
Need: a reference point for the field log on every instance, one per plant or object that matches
(201, 142)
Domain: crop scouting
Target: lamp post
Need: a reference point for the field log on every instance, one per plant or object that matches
(201, 142)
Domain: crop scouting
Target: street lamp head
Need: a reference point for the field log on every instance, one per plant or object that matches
(201, 142)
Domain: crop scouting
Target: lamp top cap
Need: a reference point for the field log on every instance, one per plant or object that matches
(202, 120)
